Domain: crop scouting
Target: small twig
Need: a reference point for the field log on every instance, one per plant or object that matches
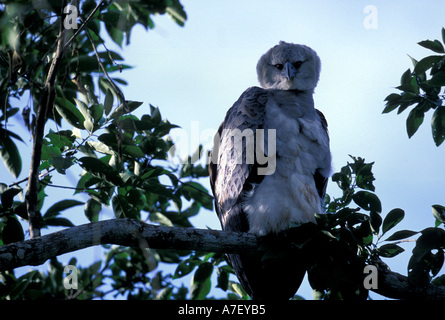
(192, 186)
(73, 188)
(27, 178)
(116, 88)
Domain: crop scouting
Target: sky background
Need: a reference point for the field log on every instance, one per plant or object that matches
(195, 73)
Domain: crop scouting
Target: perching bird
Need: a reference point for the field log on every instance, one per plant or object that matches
(270, 164)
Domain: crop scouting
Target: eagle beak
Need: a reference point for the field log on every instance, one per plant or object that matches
(289, 71)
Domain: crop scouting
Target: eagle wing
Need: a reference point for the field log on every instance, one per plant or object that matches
(321, 179)
(230, 177)
(229, 171)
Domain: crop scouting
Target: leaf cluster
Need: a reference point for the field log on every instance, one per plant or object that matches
(30, 31)
(353, 233)
(347, 237)
(422, 88)
(121, 157)
(36, 285)
(426, 93)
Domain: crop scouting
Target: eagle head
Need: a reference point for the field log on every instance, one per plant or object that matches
(289, 66)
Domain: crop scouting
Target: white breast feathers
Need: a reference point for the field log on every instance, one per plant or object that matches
(290, 194)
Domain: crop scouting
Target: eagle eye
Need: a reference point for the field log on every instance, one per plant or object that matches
(279, 66)
(297, 64)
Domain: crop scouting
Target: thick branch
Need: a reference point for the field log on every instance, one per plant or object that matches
(396, 286)
(125, 232)
(135, 233)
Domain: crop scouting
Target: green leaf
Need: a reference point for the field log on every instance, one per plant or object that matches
(176, 11)
(438, 125)
(200, 285)
(435, 45)
(409, 88)
(364, 231)
(155, 114)
(223, 277)
(88, 122)
(368, 201)
(186, 266)
(414, 61)
(375, 221)
(70, 113)
(96, 112)
(439, 212)
(84, 63)
(120, 110)
(92, 209)
(108, 103)
(101, 169)
(158, 217)
(7, 197)
(61, 163)
(100, 147)
(236, 288)
(10, 155)
(390, 250)
(392, 219)
(406, 77)
(123, 208)
(194, 190)
(426, 63)
(403, 234)
(343, 178)
(431, 238)
(56, 208)
(438, 79)
(12, 231)
(113, 18)
(365, 177)
(49, 152)
(59, 222)
(414, 120)
(392, 102)
(137, 198)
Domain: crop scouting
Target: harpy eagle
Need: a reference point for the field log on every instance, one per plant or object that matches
(270, 164)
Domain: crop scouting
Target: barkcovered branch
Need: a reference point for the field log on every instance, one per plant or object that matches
(135, 233)
(125, 232)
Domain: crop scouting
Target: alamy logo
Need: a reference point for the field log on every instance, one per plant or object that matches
(248, 147)
(239, 146)
(70, 21)
(371, 20)
(370, 281)
(70, 281)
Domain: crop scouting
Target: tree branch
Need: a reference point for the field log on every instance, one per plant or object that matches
(135, 233)
(46, 102)
(396, 286)
(125, 232)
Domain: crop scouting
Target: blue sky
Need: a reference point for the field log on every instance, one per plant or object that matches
(194, 74)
